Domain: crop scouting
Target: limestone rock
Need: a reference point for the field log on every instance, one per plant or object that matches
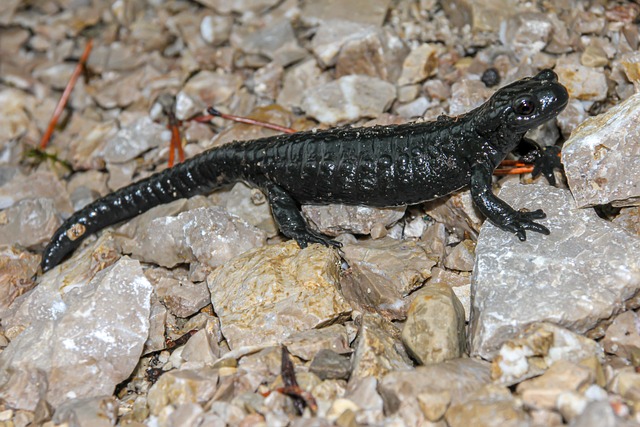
(269, 293)
(82, 343)
(378, 348)
(435, 328)
(39, 185)
(349, 98)
(594, 264)
(602, 157)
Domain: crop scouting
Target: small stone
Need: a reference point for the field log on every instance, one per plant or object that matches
(631, 65)
(434, 330)
(203, 90)
(364, 393)
(400, 390)
(467, 95)
(306, 344)
(334, 219)
(629, 219)
(434, 405)
(457, 213)
(415, 108)
(538, 348)
(328, 364)
(527, 33)
(277, 42)
(571, 404)
(543, 392)
(269, 293)
(348, 98)
(187, 414)
(17, 270)
(601, 158)
(383, 272)
(101, 411)
(182, 387)
(14, 120)
(583, 83)
(490, 406)
(594, 56)
(181, 297)
(215, 29)
(462, 256)
(514, 286)
(40, 185)
(378, 348)
(360, 11)
(597, 414)
(623, 335)
(297, 80)
(133, 140)
(30, 223)
(421, 63)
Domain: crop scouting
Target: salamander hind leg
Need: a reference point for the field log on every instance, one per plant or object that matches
(290, 221)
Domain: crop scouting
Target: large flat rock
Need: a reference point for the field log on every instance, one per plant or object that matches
(580, 274)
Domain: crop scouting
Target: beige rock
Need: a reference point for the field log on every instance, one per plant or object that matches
(383, 272)
(434, 330)
(349, 98)
(100, 411)
(269, 293)
(538, 348)
(584, 83)
(378, 348)
(306, 344)
(421, 63)
(361, 11)
(434, 405)
(491, 406)
(400, 390)
(335, 219)
(17, 269)
(205, 89)
(623, 336)
(182, 387)
(542, 392)
(182, 297)
(462, 256)
(601, 157)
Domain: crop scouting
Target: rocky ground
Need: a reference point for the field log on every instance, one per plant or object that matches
(198, 313)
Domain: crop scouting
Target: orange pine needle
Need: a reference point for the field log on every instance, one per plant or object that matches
(62, 103)
(513, 171)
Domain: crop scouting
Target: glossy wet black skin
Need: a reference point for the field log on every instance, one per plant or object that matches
(374, 166)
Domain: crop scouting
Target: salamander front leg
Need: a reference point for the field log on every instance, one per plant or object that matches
(290, 221)
(498, 211)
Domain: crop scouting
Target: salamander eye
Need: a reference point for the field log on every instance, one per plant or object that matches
(524, 106)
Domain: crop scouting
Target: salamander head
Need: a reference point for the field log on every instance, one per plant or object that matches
(526, 104)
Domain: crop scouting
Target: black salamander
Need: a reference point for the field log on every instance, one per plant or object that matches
(374, 166)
